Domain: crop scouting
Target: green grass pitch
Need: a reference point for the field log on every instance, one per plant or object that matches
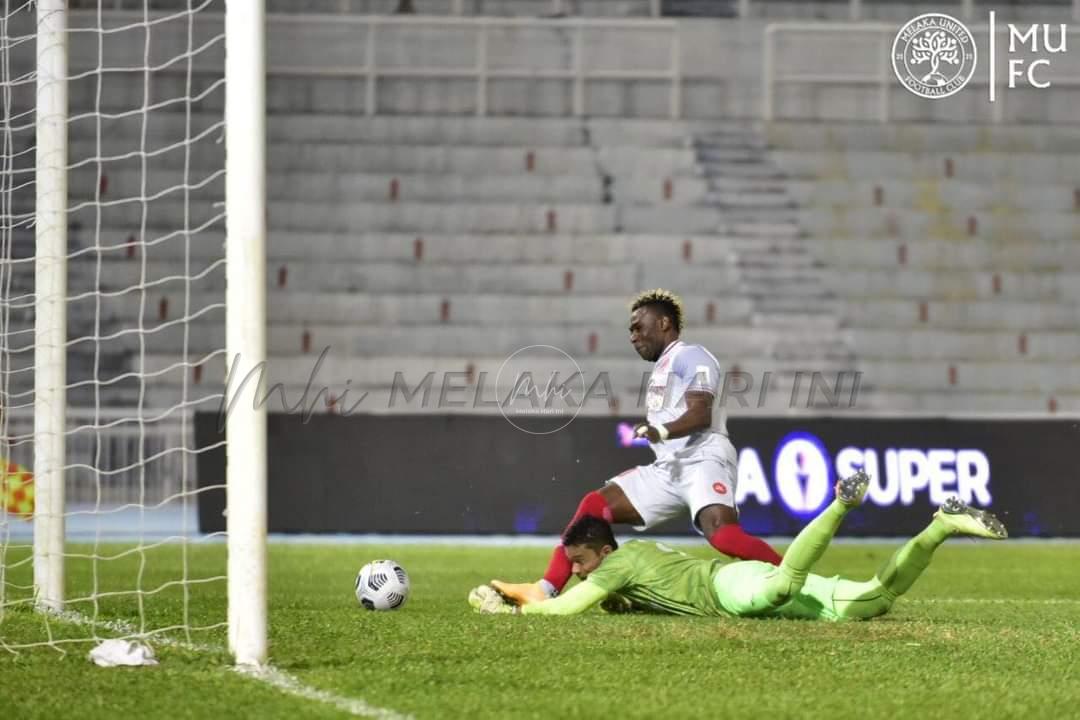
(989, 631)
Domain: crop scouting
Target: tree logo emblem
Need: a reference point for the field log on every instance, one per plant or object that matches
(934, 55)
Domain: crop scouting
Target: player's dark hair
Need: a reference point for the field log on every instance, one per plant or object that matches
(592, 532)
(664, 302)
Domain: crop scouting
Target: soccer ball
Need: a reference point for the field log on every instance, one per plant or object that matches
(382, 585)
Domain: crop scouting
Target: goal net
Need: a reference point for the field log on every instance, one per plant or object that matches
(112, 314)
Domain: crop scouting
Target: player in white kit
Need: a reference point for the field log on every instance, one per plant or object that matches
(696, 464)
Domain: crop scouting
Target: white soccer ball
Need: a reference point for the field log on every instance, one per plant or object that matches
(382, 585)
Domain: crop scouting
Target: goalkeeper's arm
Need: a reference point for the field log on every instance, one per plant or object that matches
(574, 601)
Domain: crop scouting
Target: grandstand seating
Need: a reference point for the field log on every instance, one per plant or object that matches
(955, 253)
(448, 243)
(941, 261)
(451, 242)
(876, 264)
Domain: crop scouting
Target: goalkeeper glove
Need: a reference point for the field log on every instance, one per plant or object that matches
(487, 601)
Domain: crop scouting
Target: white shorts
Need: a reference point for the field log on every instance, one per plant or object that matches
(668, 488)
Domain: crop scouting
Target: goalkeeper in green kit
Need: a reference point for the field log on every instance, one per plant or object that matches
(651, 577)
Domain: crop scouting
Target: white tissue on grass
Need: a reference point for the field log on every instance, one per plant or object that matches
(126, 653)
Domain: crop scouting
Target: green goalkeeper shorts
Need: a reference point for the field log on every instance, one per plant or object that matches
(740, 590)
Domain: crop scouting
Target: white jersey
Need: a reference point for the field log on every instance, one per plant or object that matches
(682, 368)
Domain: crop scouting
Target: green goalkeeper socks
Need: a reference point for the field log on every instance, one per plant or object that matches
(908, 563)
(809, 545)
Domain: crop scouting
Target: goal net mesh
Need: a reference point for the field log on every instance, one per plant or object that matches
(145, 321)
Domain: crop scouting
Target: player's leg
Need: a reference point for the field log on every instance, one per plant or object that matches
(720, 526)
(853, 600)
(810, 544)
(753, 588)
(617, 502)
(875, 597)
(709, 490)
(608, 503)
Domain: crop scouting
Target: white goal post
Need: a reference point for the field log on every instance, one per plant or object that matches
(245, 259)
(244, 309)
(50, 300)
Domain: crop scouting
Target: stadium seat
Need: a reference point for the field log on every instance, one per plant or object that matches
(440, 236)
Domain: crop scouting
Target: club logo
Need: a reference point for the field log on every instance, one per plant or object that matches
(934, 55)
(719, 488)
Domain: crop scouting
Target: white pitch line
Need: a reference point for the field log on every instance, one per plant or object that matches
(267, 674)
(995, 601)
(130, 631)
(292, 686)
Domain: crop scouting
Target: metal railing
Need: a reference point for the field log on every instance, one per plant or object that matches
(480, 50)
(378, 32)
(877, 71)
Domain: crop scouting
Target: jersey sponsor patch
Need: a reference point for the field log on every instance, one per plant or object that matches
(657, 392)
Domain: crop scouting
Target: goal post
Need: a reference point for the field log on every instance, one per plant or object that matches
(121, 138)
(50, 302)
(245, 333)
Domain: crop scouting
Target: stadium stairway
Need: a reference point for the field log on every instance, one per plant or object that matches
(778, 271)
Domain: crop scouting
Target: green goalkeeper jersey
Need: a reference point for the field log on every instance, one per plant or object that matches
(659, 578)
